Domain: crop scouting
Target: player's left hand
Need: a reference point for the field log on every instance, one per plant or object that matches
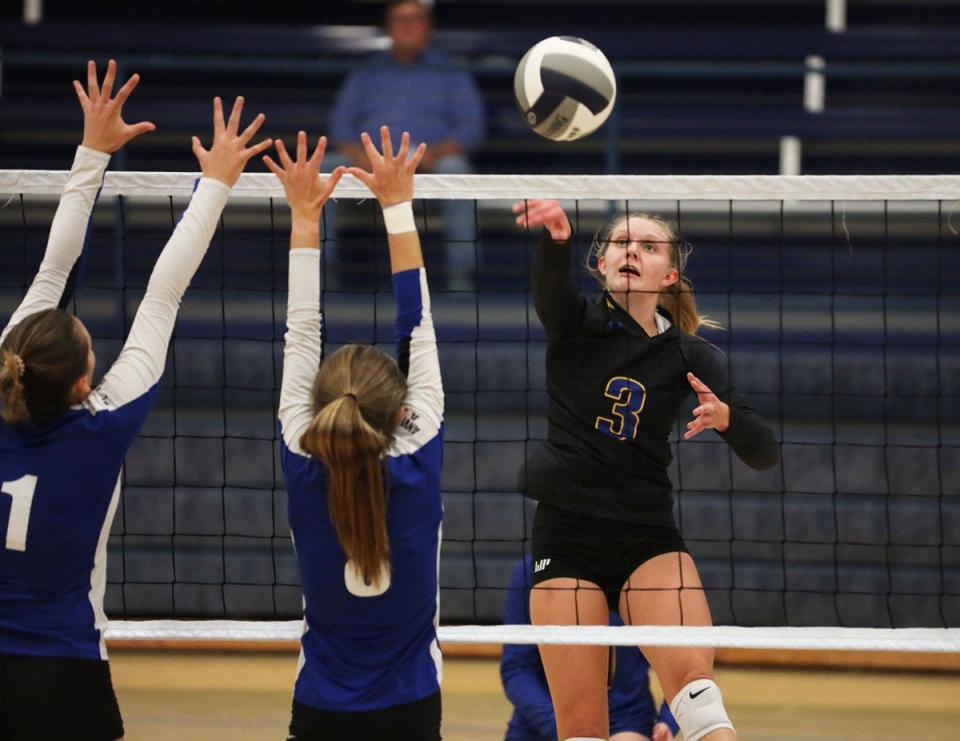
(711, 414)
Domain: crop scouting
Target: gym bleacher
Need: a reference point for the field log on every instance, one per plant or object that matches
(704, 87)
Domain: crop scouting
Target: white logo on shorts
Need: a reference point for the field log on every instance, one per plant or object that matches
(540, 565)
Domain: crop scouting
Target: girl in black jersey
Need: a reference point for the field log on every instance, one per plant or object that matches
(618, 370)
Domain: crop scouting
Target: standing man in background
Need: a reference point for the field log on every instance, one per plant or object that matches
(412, 87)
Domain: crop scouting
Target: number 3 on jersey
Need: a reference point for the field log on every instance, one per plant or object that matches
(629, 397)
(21, 492)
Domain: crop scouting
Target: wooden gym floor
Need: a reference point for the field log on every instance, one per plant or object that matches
(192, 695)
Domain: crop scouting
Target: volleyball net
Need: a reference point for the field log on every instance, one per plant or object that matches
(840, 319)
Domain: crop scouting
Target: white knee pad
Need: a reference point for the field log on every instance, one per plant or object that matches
(698, 709)
(583, 738)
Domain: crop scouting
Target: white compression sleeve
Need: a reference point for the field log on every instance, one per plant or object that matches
(144, 354)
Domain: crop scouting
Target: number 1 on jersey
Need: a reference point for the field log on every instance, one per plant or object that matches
(21, 492)
(629, 397)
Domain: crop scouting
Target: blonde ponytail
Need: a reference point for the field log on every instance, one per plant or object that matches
(357, 395)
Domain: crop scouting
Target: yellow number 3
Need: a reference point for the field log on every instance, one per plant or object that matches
(629, 397)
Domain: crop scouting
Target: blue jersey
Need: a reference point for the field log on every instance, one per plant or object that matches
(525, 683)
(61, 480)
(364, 647)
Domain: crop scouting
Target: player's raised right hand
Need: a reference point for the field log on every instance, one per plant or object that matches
(549, 214)
(229, 154)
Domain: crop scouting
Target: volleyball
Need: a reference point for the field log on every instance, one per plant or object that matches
(564, 87)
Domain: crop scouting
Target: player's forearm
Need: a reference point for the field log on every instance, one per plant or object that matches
(144, 354)
(555, 295)
(69, 227)
(305, 231)
(417, 346)
(302, 344)
(68, 233)
(405, 252)
(751, 438)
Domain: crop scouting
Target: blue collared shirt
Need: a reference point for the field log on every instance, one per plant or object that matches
(430, 98)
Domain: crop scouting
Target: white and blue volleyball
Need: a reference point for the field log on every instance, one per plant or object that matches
(565, 88)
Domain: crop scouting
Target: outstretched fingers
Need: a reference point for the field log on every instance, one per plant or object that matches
(363, 176)
(331, 182)
(274, 167)
(128, 87)
(404, 146)
(319, 151)
(252, 129)
(93, 88)
(198, 151)
(301, 147)
(283, 155)
(109, 79)
(257, 148)
(218, 123)
(414, 161)
(233, 124)
(710, 414)
(143, 127)
(81, 96)
(372, 153)
(536, 212)
(697, 385)
(386, 145)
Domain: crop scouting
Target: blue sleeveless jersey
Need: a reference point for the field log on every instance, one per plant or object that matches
(365, 648)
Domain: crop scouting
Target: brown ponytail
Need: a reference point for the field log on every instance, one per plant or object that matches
(40, 361)
(357, 395)
(678, 298)
(11, 389)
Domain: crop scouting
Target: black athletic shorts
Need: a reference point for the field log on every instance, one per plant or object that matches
(44, 698)
(413, 721)
(598, 550)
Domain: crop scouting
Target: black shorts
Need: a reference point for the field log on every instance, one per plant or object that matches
(45, 698)
(412, 721)
(595, 549)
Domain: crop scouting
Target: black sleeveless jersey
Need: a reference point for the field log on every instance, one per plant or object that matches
(614, 395)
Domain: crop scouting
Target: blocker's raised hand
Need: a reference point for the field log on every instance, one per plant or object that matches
(103, 126)
(229, 154)
(711, 414)
(390, 177)
(305, 189)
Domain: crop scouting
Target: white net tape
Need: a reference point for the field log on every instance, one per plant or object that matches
(850, 639)
(498, 187)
